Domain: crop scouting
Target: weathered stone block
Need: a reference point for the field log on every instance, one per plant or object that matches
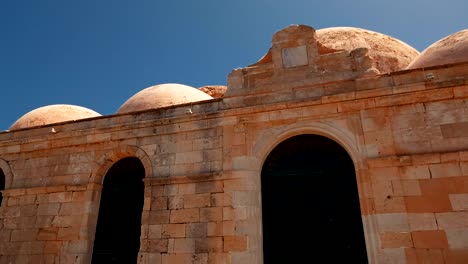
(173, 230)
(396, 239)
(185, 216)
(235, 243)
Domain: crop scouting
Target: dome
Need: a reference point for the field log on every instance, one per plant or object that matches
(163, 95)
(451, 49)
(52, 114)
(389, 54)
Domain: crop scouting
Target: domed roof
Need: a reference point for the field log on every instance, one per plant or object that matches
(389, 54)
(52, 114)
(451, 49)
(163, 95)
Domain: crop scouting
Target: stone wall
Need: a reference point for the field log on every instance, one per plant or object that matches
(405, 131)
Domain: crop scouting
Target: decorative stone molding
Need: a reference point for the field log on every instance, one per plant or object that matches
(105, 162)
(8, 173)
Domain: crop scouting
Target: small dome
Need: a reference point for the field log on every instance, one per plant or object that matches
(389, 54)
(451, 49)
(163, 95)
(53, 114)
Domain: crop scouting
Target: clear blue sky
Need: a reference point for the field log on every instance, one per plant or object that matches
(98, 53)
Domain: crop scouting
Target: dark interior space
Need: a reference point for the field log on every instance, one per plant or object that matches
(2, 185)
(119, 222)
(310, 204)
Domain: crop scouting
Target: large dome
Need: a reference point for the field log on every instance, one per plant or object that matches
(451, 49)
(163, 95)
(53, 114)
(389, 54)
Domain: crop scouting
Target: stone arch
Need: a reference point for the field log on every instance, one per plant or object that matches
(105, 162)
(2, 185)
(5, 167)
(101, 167)
(271, 138)
(352, 144)
(118, 228)
(311, 173)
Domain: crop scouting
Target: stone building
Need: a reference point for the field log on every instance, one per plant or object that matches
(338, 143)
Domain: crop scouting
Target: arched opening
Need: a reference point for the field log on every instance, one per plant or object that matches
(2, 185)
(119, 221)
(310, 203)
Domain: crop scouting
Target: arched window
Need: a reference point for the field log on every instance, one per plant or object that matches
(118, 227)
(2, 185)
(309, 192)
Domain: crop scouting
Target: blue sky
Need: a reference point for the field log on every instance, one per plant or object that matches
(98, 53)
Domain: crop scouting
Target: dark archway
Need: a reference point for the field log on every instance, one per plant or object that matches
(2, 185)
(310, 204)
(119, 222)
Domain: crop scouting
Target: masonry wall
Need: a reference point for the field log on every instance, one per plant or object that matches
(406, 135)
(191, 208)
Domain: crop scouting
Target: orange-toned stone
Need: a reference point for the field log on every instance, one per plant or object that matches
(428, 203)
(154, 245)
(154, 231)
(24, 234)
(159, 203)
(415, 172)
(159, 217)
(390, 204)
(395, 239)
(461, 184)
(445, 170)
(382, 189)
(52, 247)
(384, 174)
(215, 229)
(211, 214)
(173, 230)
(210, 244)
(68, 233)
(454, 256)
(185, 216)
(234, 213)
(235, 243)
(197, 200)
(184, 245)
(423, 255)
(197, 230)
(424, 159)
(49, 233)
(429, 239)
(219, 258)
(367, 206)
(199, 258)
(406, 188)
(440, 186)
